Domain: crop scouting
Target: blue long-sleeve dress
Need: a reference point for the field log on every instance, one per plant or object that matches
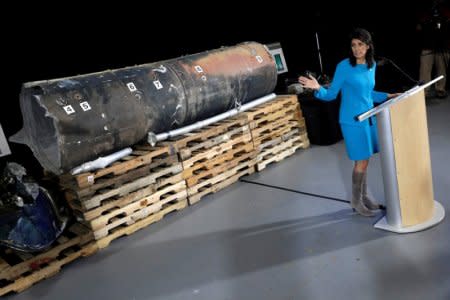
(356, 84)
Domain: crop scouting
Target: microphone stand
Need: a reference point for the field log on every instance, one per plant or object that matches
(318, 51)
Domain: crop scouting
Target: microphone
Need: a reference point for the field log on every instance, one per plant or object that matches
(420, 82)
(295, 88)
(291, 80)
(381, 61)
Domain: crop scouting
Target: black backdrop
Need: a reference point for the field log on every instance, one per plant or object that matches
(76, 38)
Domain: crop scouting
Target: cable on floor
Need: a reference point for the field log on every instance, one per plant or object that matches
(294, 191)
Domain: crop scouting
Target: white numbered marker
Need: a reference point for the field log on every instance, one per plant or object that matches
(131, 87)
(85, 106)
(69, 109)
(158, 84)
(198, 69)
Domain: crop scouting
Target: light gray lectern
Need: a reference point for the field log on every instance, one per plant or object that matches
(405, 162)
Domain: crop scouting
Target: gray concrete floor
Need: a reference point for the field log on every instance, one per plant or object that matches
(255, 242)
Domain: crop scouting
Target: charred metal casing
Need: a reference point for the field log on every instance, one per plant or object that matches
(72, 120)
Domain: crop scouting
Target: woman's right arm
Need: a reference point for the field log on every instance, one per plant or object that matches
(322, 93)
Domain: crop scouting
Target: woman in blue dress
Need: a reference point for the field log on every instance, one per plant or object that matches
(355, 79)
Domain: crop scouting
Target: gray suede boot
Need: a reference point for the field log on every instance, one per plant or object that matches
(357, 203)
(367, 201)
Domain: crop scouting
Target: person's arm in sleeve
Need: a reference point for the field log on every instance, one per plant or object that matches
(379, 97)
(330, 93)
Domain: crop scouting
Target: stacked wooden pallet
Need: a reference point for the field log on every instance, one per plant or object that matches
(19, 271)
(278, 129)
(129, 195)
(215, 156)
(151, 182)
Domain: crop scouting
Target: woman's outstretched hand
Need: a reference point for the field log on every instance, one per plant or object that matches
(309, 83)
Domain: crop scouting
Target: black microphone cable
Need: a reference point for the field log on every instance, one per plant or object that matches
(387, 60)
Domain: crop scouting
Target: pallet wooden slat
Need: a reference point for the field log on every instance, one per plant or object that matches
(182, 143)
(28, 270)
(209, 185)
(89, 203)
(280, 151)
(217, 185)
(129, 198)
(130, 162)
(127, 230)
(138, 209)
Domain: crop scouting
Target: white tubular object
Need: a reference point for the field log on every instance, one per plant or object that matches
(153, 138)
(101, 162)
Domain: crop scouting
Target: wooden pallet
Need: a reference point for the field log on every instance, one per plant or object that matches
(208, 153)
(120, 202)
(112, 181)
(130, 229)
(286, 113)
(271, 142)
(208, 164)
(289, 111)
(137, 210)
(276, 129)
(280, 148)
(125, 205)
(217, 146)
(238, 158)
(207, 137)
(115, 193)
(221, 180)
(19, 271)
(141, 155)
(270, 110)
(137, 187)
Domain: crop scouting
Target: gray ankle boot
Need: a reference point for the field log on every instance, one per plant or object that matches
(357, 203)
(367, 201)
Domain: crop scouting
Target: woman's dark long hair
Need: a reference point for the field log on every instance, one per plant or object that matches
(365, 37)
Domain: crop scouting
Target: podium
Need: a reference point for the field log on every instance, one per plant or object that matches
(405, 162)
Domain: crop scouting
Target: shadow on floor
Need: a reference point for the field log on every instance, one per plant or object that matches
(194, 261)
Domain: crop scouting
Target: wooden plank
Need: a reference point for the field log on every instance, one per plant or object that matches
(127, 230)
(22, 283)
(276, 115)
(221, 177)
(267, 128)
(136, 159)
(217, 160)
(218, 150)
(194, 198)
(131, 175)
(138, 209)
(206, 133)
(24, 271)
(95, 201)
(221, 168)
(279, 139)
(412, 156)
(277, 132)
(280, 152)
(131, 197)
(242, 132)
(272, 106)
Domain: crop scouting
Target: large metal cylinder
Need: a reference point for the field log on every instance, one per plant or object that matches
(71, 120)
